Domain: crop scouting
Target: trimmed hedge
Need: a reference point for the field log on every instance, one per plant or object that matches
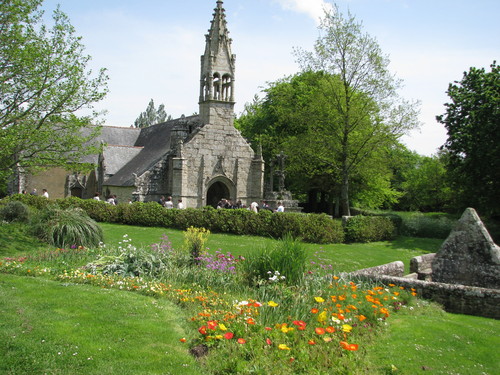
(314, 228)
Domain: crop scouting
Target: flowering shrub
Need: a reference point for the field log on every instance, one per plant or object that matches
(194, 241)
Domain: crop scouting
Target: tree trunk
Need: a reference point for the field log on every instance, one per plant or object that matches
(344, 194)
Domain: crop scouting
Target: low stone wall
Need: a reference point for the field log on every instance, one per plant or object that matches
(459, 299)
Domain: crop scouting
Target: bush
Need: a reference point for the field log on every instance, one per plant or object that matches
(15, 211)
(286, 259)
(420, 225)
(368, 228)
(66, 228)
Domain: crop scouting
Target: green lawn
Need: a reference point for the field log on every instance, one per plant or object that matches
(47, 327)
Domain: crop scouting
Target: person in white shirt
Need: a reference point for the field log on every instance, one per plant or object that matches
(280, 208)
(180, 205)
(168, 203)
(45, 193)
(254, 206)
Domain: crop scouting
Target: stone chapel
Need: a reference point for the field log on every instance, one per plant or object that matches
(199, 159)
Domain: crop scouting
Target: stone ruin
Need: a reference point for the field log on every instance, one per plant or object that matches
(463, 276)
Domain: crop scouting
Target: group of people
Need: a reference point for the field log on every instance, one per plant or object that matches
(45, 193)
(168, 203)
(254, 206)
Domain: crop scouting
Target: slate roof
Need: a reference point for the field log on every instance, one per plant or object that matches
(115, 157)
(155, 143)
(112, 135)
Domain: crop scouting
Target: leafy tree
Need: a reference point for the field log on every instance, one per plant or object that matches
(366, 113)
(472, 120)
(152, 116)
(44, 80)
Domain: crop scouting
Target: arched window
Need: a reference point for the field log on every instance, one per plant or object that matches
(217, 86)
(226, 87)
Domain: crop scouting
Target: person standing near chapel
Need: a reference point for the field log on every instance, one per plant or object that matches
(45, 193)
(168, 203)
(180, 205)
(280, 208)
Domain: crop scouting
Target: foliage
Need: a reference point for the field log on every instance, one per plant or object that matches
(472, 120)
(194, 242)
(44, 80)
(66, 228)
(284, 260)
(420, 225)
(15, 211)
(368, 228)
(421, 181)
(152, 116)
(364, 112)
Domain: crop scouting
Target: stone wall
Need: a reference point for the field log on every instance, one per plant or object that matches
(460, 299)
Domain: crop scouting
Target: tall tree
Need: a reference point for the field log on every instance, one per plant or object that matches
(44, 80)
(472, 120)
(368, 114)
(152, 116)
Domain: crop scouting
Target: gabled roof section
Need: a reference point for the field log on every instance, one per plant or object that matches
(155, 145)
(116, 157)
(111, 135)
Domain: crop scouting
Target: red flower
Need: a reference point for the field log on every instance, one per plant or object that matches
(212, 324)
(250, 321)
(203, 330)
(182, 340)
(330, 329)
(320, 331)
(268, 329)
(228, 335)
(269, 342)
(241, 341)
(314, 310)
(301, 325)
(311, 342)
(347, 346)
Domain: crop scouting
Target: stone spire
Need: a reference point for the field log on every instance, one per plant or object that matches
(217, 70)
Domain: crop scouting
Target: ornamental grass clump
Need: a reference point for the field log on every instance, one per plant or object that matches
(287, 256)
(66, 228)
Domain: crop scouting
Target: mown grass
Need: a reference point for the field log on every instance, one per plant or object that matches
(429, 340)
(47, 327)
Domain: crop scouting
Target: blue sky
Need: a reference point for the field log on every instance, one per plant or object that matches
(152, 48)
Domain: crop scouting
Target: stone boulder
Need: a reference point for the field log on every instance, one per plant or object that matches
(468, 256)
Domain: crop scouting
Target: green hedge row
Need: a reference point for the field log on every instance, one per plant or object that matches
(315, 228)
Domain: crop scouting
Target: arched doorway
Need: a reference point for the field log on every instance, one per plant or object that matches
(216, 192)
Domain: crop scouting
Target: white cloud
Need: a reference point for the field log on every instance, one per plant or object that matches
(313, 8)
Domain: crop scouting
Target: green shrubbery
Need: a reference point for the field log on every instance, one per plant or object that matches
(70, 227)
(15, 211)
(420, 225)
(368, 228)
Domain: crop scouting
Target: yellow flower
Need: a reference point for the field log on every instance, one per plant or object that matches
(222, 327)
(322, 316)
(319, 299)
(283, 347)
(346, 328)
(272, 304)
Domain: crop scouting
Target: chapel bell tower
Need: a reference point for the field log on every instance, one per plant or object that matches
(217, 73)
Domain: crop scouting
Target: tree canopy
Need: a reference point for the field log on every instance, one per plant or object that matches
(44, 82)
(337, 118)
(152, 116)
(472, 120)
(366, 113)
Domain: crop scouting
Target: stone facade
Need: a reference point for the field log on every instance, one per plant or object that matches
(199, 159)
